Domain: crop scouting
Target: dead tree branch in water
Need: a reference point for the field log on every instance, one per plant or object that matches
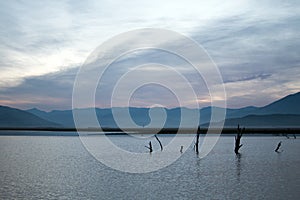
(161, 146)
(286, 135)
(277, 148)
(150, 147)
(197, 141)
(238, 139)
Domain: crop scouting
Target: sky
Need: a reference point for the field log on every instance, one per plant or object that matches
(254, 44)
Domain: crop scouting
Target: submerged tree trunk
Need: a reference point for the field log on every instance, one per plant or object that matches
(197, 141)
(277, 148)
(286, 135)
(150, 147)
(238, 139)
(161, 146)
(181, 149)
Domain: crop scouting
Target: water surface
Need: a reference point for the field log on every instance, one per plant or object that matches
(58, 167)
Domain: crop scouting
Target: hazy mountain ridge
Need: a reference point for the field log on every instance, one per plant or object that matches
(267, 121)
(283, 112)
(12, 117)
(287, 105)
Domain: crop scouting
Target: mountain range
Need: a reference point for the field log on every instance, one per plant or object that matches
(12, 117)
(284, 112)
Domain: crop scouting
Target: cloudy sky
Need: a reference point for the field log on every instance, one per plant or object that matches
(255, 44)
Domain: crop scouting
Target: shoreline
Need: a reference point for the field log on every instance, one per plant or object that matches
(48, 131)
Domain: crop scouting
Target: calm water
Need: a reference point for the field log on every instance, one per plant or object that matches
(58, 167)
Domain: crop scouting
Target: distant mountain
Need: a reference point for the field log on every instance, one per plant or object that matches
(274, 120)
(205, 113)
(140, 116)
(63, 117)
(287, 105)
(286, 108)
(12, 117)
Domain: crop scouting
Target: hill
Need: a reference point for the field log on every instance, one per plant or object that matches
(286, 105)
(266, 121)
(12, 117)
(282, 112)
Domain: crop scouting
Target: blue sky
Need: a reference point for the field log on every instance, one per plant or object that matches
(255, 44)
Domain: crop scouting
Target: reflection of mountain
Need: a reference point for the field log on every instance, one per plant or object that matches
(11, 117)
(284, 112)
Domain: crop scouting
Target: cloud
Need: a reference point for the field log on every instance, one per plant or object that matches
(255, 44)
(47, 92)
(248, 78)
(43, 37)
(259, 92)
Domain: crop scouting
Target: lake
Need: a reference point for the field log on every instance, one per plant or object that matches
(59, 167)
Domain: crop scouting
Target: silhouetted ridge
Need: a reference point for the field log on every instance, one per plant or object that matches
(12, 117)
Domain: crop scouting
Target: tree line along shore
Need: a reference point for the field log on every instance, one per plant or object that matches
(226, 130)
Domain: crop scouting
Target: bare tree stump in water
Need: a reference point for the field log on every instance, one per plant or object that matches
(161, 146)
(181, 149)
(286, 135)
(277, 148)
(150, 147)
(238, 139)
(197, 141)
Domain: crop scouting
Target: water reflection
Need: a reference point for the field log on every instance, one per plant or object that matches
(42, 167)
(238, 165)
(198, 168)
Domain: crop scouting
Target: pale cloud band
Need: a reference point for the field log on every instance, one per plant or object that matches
(255, 44)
